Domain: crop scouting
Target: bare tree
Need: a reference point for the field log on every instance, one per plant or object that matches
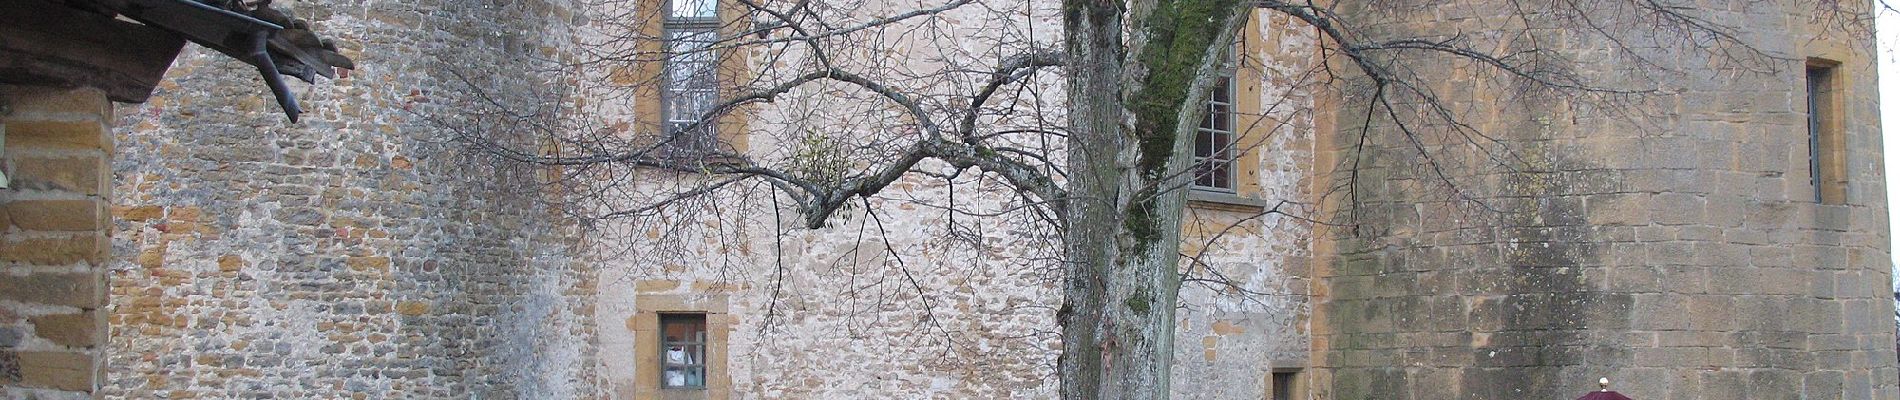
(1085, 125)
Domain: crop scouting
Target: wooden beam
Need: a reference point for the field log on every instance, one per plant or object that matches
(51, 44)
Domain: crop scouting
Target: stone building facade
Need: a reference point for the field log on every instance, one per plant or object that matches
(351, 255)
(363, 254)
(1699, 251)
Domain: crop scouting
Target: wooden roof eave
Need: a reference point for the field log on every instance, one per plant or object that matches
(49, 44)
(237, 35)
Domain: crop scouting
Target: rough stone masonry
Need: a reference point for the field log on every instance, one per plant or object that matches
(360, 254)
(1682, 253)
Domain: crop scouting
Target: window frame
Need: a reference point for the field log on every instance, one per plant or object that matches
(1251, 131)
(1226, 155)
(642, 374)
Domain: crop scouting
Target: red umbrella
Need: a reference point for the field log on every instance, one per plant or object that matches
(1605, 393)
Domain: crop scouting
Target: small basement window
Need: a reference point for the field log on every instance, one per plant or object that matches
(1285, 384)
(683, 351)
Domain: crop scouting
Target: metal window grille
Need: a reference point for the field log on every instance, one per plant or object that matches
(690, 81)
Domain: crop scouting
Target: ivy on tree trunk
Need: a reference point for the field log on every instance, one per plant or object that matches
(1132, 101)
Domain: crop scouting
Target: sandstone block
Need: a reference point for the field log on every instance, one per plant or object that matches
(412, 308)
(57, 215)
(230, 263)
(58, 370)
(186, 214)
(655, 285)
(74, 289)
(368, 264)
(1617, 209)
(1826, 384)
(81, 174)
(28, 135)
(76, 330)
(138, 213)
(152, 258)
(88, 247)
(1715, 313)
(47, 102)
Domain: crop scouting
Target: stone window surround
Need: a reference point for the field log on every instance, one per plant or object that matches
(1827, 156)
(645, 324)
(650, 105)
(1298, 381)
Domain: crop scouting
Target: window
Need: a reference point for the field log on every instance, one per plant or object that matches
(690, 81)
(683, 351)
(1285, 386)
(1827, 168)
(1214, 139)
(679, 347)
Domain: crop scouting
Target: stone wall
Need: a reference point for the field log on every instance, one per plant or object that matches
(900, 298)
(1669, 241)
(53, 241)
(355, 254)
(360, 255)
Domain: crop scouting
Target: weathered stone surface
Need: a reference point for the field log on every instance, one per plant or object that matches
(57, 215)
(9, 337)
(412, 308)
(58, 370)
(55, 103)
(55, 248)
(79, 174)
(9, 367)
(230, 263)
(85, 135)
(84, 329)
(138, 213)
(1682, 254)
(54, 237)
(355, 256)
(257, 258)
(71, 289)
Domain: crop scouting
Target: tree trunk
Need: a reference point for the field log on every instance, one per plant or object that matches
(1133, 104)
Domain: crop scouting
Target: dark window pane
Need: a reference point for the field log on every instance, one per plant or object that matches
(1283, 385)
(1203, 144)
(1817, 87)
(1203, 174)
